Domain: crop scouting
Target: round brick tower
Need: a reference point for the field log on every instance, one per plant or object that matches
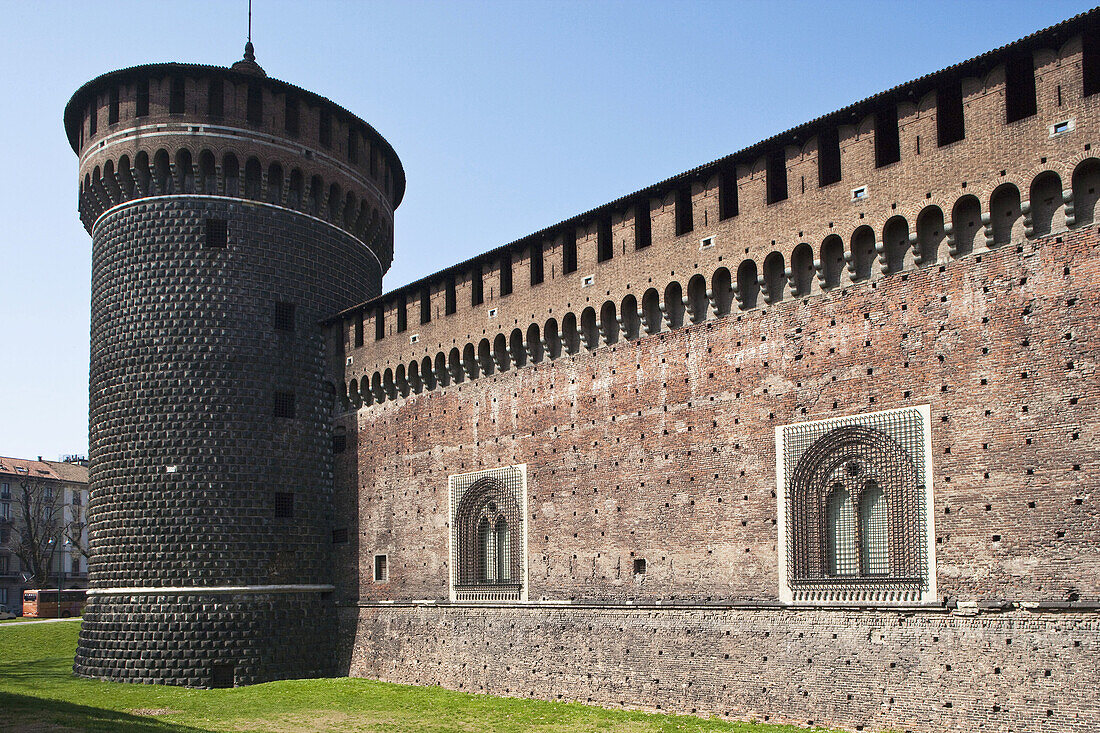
(229, 213)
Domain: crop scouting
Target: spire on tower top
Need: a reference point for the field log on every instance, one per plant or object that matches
(248, 64)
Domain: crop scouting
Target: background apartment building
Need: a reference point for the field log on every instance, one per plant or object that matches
(58, 492)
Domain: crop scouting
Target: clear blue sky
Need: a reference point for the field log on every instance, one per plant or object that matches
(508, 117)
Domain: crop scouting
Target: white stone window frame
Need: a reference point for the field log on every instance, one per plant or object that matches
(928, 595)
(454, 482)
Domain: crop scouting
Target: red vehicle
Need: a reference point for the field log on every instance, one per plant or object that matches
(43, 603)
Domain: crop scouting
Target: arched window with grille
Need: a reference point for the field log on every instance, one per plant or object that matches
(855, 509)
(488, 551)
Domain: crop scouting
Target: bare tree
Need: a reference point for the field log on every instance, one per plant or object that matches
(36, 528)
(74, 533)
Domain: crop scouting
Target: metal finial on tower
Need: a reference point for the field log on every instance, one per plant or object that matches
(248, 64)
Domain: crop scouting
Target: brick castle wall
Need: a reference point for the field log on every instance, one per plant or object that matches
(663, 448)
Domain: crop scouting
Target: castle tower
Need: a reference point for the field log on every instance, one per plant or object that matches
(229, 213)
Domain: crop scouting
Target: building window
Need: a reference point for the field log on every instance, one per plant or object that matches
(856, 510)
(535, 255)
(425, 304)
(215, 99)
(290, 117)
(506, 274)
(605, 246)
(1019, 87)
(777, 176)
(950, 123)
(284, 505)
(381, 569)
(340, 440)
(487, 535)
(141, 107)
(639, 566)
(284, 317)
(477, 291)
(402, 313)
(5, 510)
(77, 500)
(828, 156)
(93, 117)
(284, 404)
(887, 137)
(450, 304)
(112, 106)
(4, 591)
(1090, 58)
(5, 491)
(684, 218)
(568, 251)
(643, 225)
(254, 111)
(379, 323)
(340, 536)
(217, 234)
(353, 146)
(325, 128)
(727, 191)
(176, 95)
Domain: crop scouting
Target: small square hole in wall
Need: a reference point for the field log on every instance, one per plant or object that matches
(492, 312)
(217, 234)
(859, 193)
(588, 281)
(381, 569)
(284, 316)
(414, 338)
(284, 505)
(706, 242)
(1061, 128)
(639, 566)
(222, 676)
(284, 404)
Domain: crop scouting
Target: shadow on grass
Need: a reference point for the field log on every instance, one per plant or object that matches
(23, 712)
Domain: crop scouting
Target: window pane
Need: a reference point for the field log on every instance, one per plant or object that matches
(486, 561)
(503, 548)
(872, 521)
(841, 534)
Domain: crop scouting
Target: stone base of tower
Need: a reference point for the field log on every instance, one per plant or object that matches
(199, 640)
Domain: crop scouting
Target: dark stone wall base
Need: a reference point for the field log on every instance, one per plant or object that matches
(201, 640)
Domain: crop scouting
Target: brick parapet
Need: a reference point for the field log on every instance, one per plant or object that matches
(355, 180)
(991, 155)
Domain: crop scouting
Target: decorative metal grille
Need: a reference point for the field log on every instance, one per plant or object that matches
(854, 494)
(488, 548)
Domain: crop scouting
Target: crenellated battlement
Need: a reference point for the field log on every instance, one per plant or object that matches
(990, 151)
(171, 129)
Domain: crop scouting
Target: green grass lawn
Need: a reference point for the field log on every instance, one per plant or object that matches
(39, 692)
